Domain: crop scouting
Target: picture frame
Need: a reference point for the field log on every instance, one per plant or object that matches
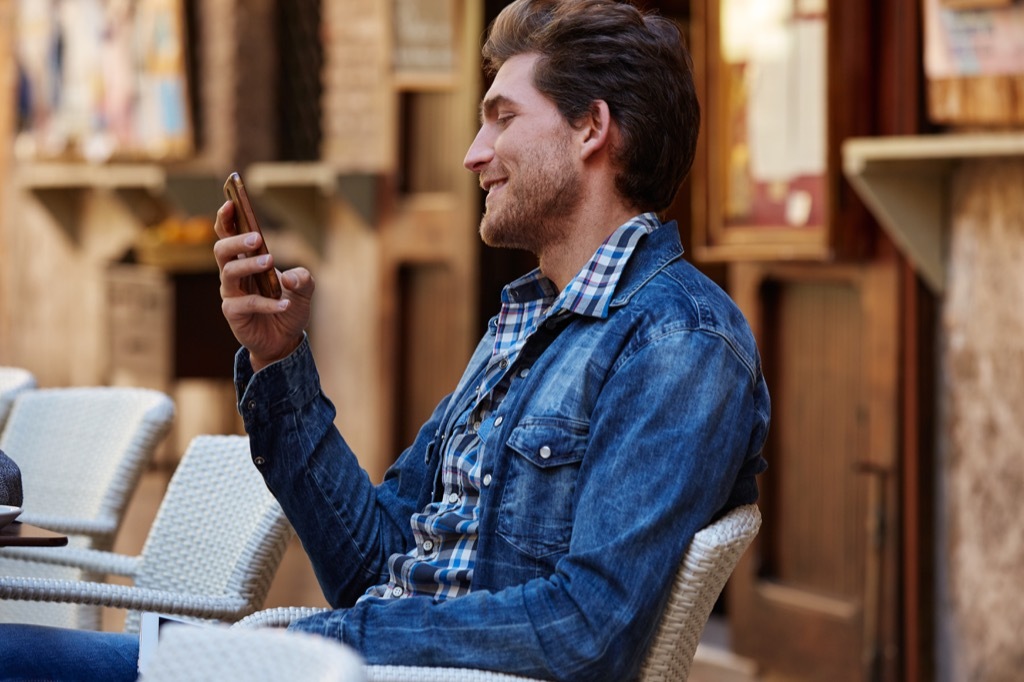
(103, 80)
(424, 54)
(780, 86)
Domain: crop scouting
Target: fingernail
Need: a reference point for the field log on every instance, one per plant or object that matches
(250, 240)
(282, 304)
(262, 260)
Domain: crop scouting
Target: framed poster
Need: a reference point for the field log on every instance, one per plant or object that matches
(102, 80)
(425, 43)
(974, 61)
(767, 173)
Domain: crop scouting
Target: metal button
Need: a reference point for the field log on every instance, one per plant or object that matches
(504, 363)
(251, 406)
(497, 422)
(487, 479)
(524, 372)
(258, 461)
(545, 452)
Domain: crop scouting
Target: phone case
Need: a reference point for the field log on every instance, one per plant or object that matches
(266, 282)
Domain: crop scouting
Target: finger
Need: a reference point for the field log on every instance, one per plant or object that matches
(236, 273)
(225, 224)
(298, 281)
(243, 307)
(235, 247)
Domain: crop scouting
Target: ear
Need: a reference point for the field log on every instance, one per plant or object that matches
(595, 129)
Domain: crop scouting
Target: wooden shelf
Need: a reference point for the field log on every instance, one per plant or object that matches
(151, 191)
(299, 194)
(905, 182)
(440, 81)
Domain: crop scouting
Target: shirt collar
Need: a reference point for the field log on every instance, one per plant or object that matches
(590, 291)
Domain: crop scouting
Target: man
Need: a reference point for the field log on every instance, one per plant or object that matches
(613, 408)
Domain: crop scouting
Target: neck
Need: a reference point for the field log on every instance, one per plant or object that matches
(583, 234)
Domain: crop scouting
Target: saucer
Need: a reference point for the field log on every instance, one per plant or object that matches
(8, 514)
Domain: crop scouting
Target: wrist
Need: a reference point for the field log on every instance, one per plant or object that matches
(259, 361)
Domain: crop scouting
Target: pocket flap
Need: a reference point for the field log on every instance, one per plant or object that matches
(550, 443)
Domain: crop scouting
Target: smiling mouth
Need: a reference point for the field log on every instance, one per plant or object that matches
(491, 185)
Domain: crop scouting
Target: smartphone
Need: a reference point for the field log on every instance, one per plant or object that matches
(266, 282)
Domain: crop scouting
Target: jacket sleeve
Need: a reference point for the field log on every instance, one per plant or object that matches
(348, 526)
(663, 455)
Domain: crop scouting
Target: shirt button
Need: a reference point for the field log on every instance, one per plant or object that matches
(524, 372)
(504, 363)
(427, 545)
(497, 422)
(258, 461)
(453, 498)
(487, 479)
(476, 426)
(397, 591)
(545, 452)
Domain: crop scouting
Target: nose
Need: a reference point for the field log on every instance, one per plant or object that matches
(480, 152)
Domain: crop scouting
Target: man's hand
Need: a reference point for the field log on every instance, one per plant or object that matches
(269, 328)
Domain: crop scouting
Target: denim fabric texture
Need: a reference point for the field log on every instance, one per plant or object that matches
(35, 652)
(619, 439)
(11, 492)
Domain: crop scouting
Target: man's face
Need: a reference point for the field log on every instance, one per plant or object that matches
(524, 156)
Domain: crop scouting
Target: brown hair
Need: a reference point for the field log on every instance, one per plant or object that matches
(636, 62)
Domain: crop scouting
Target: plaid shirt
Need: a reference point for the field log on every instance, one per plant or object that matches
(441, 564)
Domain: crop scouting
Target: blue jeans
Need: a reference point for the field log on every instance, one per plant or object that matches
(34, 652)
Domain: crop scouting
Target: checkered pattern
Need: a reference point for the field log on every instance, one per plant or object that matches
(441, 563)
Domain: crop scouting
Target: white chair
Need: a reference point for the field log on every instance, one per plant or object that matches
(211, 553)
(709, 561)
(13, 380)
(81, 452)
(217, 653)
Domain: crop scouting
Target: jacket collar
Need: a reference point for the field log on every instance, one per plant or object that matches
(652, 255)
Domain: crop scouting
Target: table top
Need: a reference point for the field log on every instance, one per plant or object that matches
(18, 534)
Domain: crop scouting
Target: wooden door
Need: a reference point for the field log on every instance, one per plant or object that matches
(816, 597)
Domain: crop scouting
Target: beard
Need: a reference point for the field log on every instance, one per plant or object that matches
(531, 212)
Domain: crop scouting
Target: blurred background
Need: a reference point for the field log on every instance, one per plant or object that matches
(857, 191)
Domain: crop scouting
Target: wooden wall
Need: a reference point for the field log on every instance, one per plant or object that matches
(982, 479)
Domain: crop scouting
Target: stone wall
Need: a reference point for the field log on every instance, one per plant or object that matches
(982, 468)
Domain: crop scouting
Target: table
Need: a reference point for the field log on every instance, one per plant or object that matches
(18, 534)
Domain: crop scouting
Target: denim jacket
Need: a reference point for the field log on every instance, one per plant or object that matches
(619, 438)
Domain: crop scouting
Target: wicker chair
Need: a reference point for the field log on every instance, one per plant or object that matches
(81, 452)
(707, 564)
(211, 553)
(13, 380)
(216, 653)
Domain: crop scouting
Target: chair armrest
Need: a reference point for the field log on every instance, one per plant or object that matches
(215, 652)
(123, 597)
(409, 673)
(277, 617)
(93, 560)
(100, 528)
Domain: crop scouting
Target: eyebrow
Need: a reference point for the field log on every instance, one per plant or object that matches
(489, 104)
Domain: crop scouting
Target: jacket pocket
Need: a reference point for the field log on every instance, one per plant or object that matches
(537, 508)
